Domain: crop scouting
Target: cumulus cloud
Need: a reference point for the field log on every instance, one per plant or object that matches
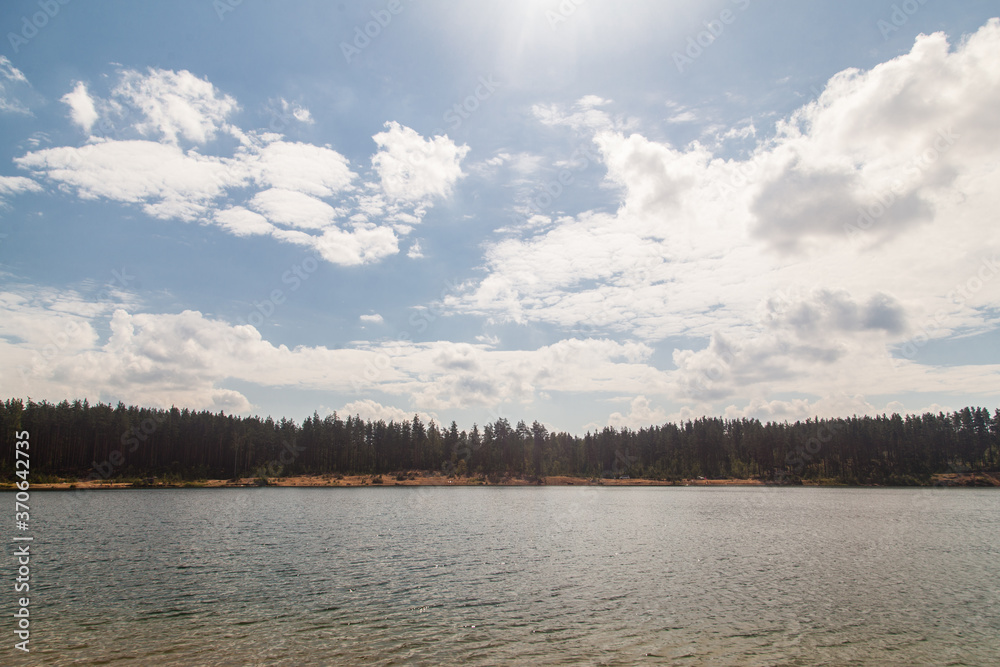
(865, 208)
(363, 244)
(175, 104)
(415, 251)
(840, 405)
(81, 107)
(313, 170)
(372, 319)
(51, 347)
(475, 375)
(849, 194)
(294, 192)
(370, 410)
(413, 168)
(293, 208)
(641, 414)
(241, 222)
(187, 358)
(168, 182)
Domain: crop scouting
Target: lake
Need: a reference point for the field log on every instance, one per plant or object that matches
(514, 575)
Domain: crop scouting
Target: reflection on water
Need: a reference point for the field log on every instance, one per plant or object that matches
(567, 575)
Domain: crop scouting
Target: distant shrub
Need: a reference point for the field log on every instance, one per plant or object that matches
(903, 480)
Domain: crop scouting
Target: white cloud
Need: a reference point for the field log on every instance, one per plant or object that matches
(12, 83)
(167, 181)
(175, 104)
(525, 165)
(497, 159)
(372, 319)
(295, 192)
(303, 115)
(641, 414)
(364, 244)
(81, 107)
(747, 131)
(583, 116)
(370, 410)
(415, 251)
(697, 242)
(449, 375)
(13, 185)
(293, 208)
(413, 168)
(186, 358)
(241, 222)
(829, 407)
(865, 210)
(285, 110)
(50, 348)
(683, 117)
(313, 170)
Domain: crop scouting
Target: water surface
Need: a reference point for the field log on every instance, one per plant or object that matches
(516, 575)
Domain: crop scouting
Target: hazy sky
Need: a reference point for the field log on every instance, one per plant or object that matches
(584, 213)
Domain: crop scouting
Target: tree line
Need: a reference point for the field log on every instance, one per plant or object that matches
(79, 440)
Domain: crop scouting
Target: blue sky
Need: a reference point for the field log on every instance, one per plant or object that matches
(585, 213)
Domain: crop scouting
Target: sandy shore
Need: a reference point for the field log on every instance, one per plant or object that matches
(412, 478)
(425, 478)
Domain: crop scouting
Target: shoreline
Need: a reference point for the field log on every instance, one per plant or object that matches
(425, 478)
